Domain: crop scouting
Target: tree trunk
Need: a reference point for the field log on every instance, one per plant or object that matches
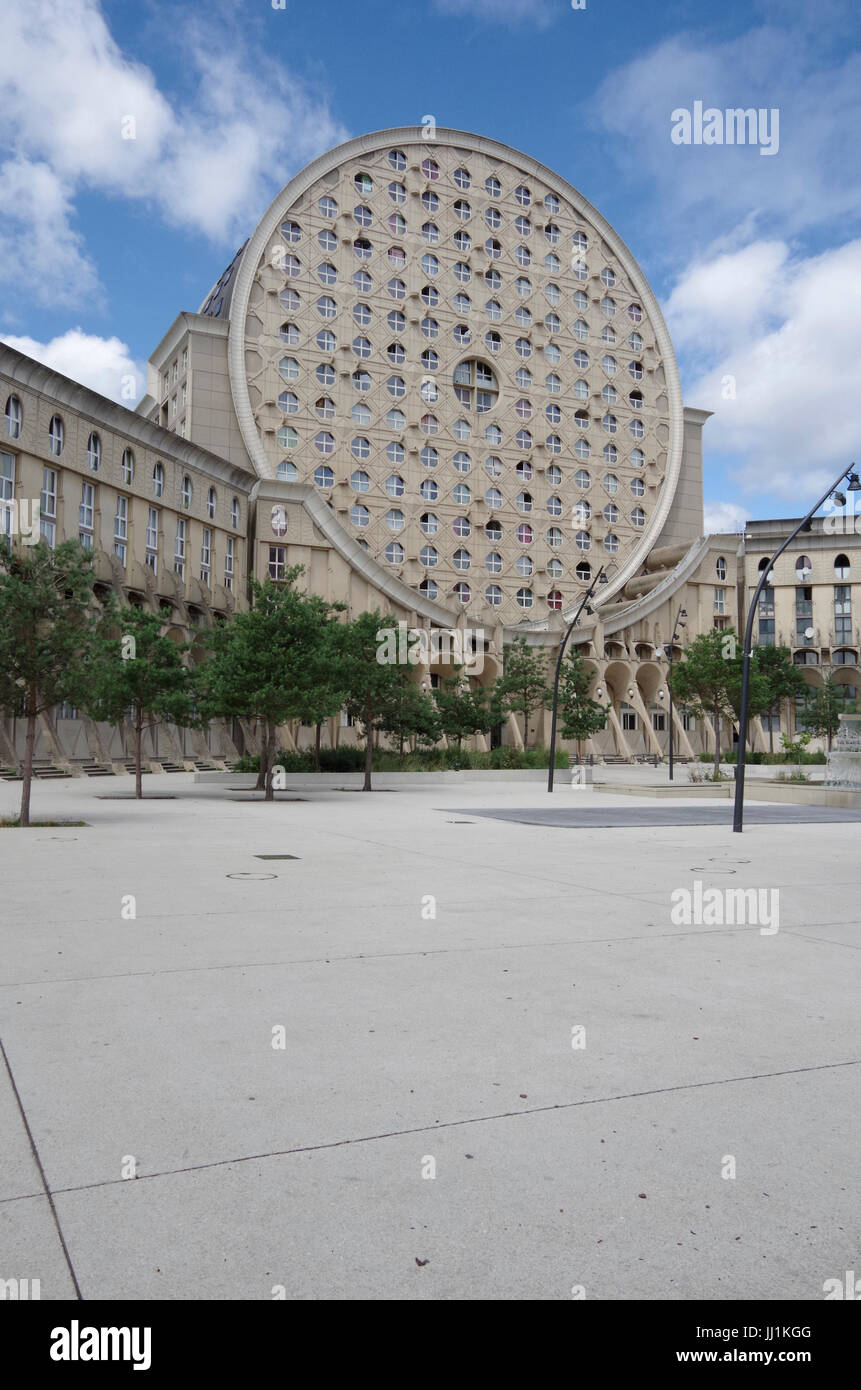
(270, 757)
(261, 773)
(369, 750)
(317, 735)
(28, 756)
(138, 750)
(716, 718)
(771, 729)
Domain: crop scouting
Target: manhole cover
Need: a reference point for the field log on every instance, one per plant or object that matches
(251, 876)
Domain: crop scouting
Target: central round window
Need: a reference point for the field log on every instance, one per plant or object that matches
(475, 386)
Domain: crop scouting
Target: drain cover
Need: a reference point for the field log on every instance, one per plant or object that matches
(276, 856)
(254, 876)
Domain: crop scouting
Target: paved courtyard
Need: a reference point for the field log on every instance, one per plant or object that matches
(506, 1072)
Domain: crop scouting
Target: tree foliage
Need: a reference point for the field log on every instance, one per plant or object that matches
(707, 681)
(467, 709)
(522, 688)
(373, 683)
(138, 673)
(48, 614)
(824, 706)
(274, 663)
(580, 716)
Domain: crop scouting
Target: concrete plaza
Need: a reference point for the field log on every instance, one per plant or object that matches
(435, 1125)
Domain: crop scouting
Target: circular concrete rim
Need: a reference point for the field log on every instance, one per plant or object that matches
(480, 144)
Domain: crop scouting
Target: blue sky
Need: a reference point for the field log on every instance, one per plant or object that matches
(756, 258)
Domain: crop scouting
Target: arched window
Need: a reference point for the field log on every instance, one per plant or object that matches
(720, 567)
(14, 417)
(56, 435)
(841, 567)
(94, 452)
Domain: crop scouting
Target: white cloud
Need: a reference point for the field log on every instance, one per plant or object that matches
(104, 364)
(69, 100)
(724, 516)
(536, 12)
(731, 292)
(39, 247)
(702, 190)
(784, 382)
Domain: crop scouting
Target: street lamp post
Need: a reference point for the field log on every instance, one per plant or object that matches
(853, 485)
(600, 578)
(682, 613)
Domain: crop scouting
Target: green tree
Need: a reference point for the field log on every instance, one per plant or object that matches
(784, 681)
(580, 715)
(824, 706)
(759, 689)
(374, 677)
(707, 681)
(323, 690)
(523, 688)
(268, 662)
(140, 673)
(410, 712)
(466, 709)
(48, 614)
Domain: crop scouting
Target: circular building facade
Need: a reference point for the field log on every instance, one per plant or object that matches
(459, 355)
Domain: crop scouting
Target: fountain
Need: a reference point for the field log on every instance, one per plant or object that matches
(844, 760)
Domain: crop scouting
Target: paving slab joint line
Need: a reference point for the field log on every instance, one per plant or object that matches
(435, 1128)
(37, 1160)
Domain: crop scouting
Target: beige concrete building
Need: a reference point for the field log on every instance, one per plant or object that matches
(436, 377)
(166, 521)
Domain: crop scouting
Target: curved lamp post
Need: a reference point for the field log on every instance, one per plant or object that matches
(853, 485)
(600, 578)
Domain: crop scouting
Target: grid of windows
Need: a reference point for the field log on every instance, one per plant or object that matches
(469, 376)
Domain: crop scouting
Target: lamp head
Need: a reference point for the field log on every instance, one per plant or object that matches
(854, 484)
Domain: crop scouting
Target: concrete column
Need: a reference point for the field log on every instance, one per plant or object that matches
(651, 737)
(45, 726)
(682, 741)
(7, 750)
(514, 730)
(622, 746)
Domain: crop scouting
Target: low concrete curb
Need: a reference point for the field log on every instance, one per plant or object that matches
(384, 779)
